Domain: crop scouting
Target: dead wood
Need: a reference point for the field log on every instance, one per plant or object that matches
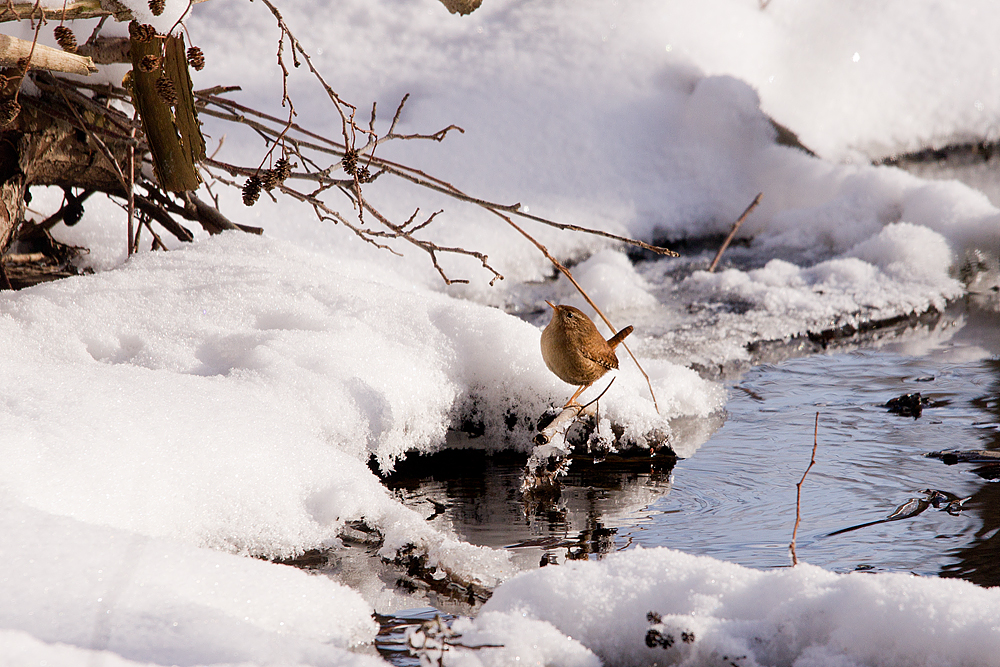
(79, 9)
(172, 135)
(107, 50)
(14, 51)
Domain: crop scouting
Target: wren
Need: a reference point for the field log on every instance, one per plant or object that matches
(575, 350)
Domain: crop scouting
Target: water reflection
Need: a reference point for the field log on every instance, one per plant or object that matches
(479, 497)
(979, 562)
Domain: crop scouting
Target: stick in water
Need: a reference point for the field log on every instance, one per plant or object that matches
(798, 493)
(732, 232)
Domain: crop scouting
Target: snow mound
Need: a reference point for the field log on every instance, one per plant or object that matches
(706, 612)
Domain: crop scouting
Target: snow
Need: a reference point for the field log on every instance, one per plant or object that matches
(77, 592)
(174, 419)
(793, 616)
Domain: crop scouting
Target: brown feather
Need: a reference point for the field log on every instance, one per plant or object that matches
(575, 350)
(606, 357)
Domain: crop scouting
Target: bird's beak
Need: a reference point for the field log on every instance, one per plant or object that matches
(551, 304)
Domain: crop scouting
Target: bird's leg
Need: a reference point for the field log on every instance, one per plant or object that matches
(572, 399)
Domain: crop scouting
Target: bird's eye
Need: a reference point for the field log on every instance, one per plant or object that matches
(569, 314)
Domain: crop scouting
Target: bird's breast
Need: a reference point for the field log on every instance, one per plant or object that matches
(564, 354)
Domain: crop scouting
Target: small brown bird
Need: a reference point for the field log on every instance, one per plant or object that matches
(575, 350)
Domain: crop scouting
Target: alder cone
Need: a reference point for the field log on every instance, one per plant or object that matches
(251, 191)
(65, 38)
(196, 58)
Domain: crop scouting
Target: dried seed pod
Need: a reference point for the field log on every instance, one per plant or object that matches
(196, 58)
(251, 191)
(157, 6)
(364, 176)
(65, 38)
(166, 90)
(149, 63)
(269, 180)
(283, 169)
(350, 161)
(141, 32)
(8, 112)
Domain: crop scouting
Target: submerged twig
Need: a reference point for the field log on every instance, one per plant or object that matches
(798, 492)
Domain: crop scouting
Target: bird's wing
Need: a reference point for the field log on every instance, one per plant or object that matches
(605, 357)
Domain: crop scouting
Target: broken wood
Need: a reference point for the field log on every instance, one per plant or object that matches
(79, 9)
(14, 51)
(549, 459)
(175, 142)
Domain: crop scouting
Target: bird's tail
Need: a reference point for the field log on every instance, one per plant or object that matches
(616, 340)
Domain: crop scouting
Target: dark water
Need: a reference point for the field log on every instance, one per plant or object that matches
(734, 499)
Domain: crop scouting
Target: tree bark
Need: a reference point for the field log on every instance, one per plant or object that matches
(45, 145)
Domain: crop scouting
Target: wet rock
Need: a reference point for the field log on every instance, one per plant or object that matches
(907, 405)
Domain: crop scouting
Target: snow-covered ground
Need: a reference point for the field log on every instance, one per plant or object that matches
(173, 414)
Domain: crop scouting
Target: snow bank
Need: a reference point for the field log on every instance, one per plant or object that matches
(76, 593)
(231, 393)
(601, 124)
(852, 79)
(720, 613)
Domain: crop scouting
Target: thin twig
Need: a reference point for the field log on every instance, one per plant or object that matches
(131, 193)
(177, 22)
(238, 113)
(157, 241)
(732, 232)
(798, 492)
(31, 52)
(599, 396)
(97, 30)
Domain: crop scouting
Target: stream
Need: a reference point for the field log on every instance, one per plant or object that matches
(735, 498)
